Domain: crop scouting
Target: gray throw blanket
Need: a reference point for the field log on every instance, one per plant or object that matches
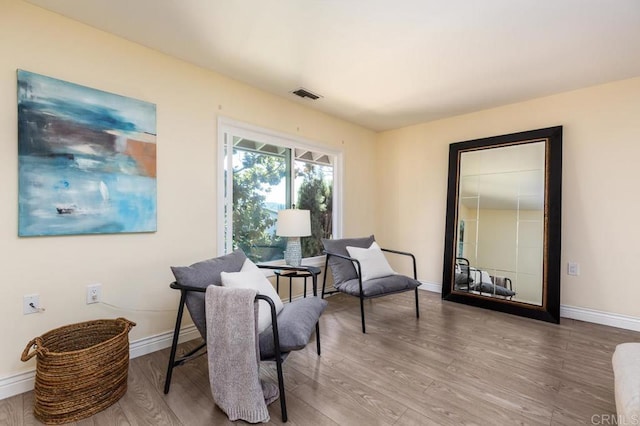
(234, 357)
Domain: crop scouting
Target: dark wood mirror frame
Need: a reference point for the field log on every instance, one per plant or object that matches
(550, 308)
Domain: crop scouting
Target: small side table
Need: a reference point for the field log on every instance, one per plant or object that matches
(291, 275)
(303, 271)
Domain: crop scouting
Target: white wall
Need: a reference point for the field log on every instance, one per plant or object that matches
(134, 268)
(600, 179)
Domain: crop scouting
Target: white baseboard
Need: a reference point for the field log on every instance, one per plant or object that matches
(434, 288)
(574, 312)
(151, 344)
(17, 384)
(599, 317)
(23, 382)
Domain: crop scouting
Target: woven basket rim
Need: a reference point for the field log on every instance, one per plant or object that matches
(125, 331)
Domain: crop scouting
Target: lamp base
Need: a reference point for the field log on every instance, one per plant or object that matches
(293, 252)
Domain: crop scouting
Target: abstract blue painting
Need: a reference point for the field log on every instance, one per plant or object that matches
(86, 160)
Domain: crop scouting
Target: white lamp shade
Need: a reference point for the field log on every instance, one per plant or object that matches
(293, 223)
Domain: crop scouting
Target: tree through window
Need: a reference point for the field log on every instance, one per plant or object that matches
(314, 192)
(266, 177)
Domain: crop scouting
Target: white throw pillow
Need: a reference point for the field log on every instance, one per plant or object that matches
(372, 261)
(265, 288)
(250, 276)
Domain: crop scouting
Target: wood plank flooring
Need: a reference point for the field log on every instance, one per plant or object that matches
(456, 365)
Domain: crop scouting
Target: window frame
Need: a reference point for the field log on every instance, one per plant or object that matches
(252, 132)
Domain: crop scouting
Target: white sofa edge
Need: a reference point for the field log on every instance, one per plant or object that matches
(626, 370)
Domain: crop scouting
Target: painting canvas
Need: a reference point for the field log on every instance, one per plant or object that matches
(87, 160)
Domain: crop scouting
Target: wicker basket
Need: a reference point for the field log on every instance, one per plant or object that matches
(81, 369)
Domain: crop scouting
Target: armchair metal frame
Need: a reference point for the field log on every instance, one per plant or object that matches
(173, 362)
(362, 297)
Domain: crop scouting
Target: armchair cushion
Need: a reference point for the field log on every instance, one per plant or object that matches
(296, 322)
(203, 274)
(493, 289)
(379, 286)
(343, 269)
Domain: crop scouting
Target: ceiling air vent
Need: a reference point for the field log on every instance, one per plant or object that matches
(304, 93)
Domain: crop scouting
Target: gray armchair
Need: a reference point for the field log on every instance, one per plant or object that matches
(291, 328)
(347, 278)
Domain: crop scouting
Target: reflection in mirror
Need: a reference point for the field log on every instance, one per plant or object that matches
(500, 236)
(503, 225)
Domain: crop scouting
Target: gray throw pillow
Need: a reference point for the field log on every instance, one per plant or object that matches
(202, 275)
(206, 273)
(342, 269)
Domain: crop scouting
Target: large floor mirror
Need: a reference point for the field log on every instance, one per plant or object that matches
(502, 240)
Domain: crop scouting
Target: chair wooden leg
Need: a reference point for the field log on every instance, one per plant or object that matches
(417, 305)
(174, 343)
(362, 313)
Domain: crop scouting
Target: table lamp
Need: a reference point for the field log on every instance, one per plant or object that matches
(293, 224)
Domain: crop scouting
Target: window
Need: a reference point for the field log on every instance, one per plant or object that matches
(263, 172)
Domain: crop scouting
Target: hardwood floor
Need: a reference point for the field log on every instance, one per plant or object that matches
(455, 365)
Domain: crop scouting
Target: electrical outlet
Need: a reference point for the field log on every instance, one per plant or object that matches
(573, 268)
(94, 293)
(30, 304)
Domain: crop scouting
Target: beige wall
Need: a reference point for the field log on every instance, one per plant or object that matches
(134, 268)
(600, 179)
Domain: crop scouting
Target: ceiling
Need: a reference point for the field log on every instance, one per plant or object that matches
(386, 64)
